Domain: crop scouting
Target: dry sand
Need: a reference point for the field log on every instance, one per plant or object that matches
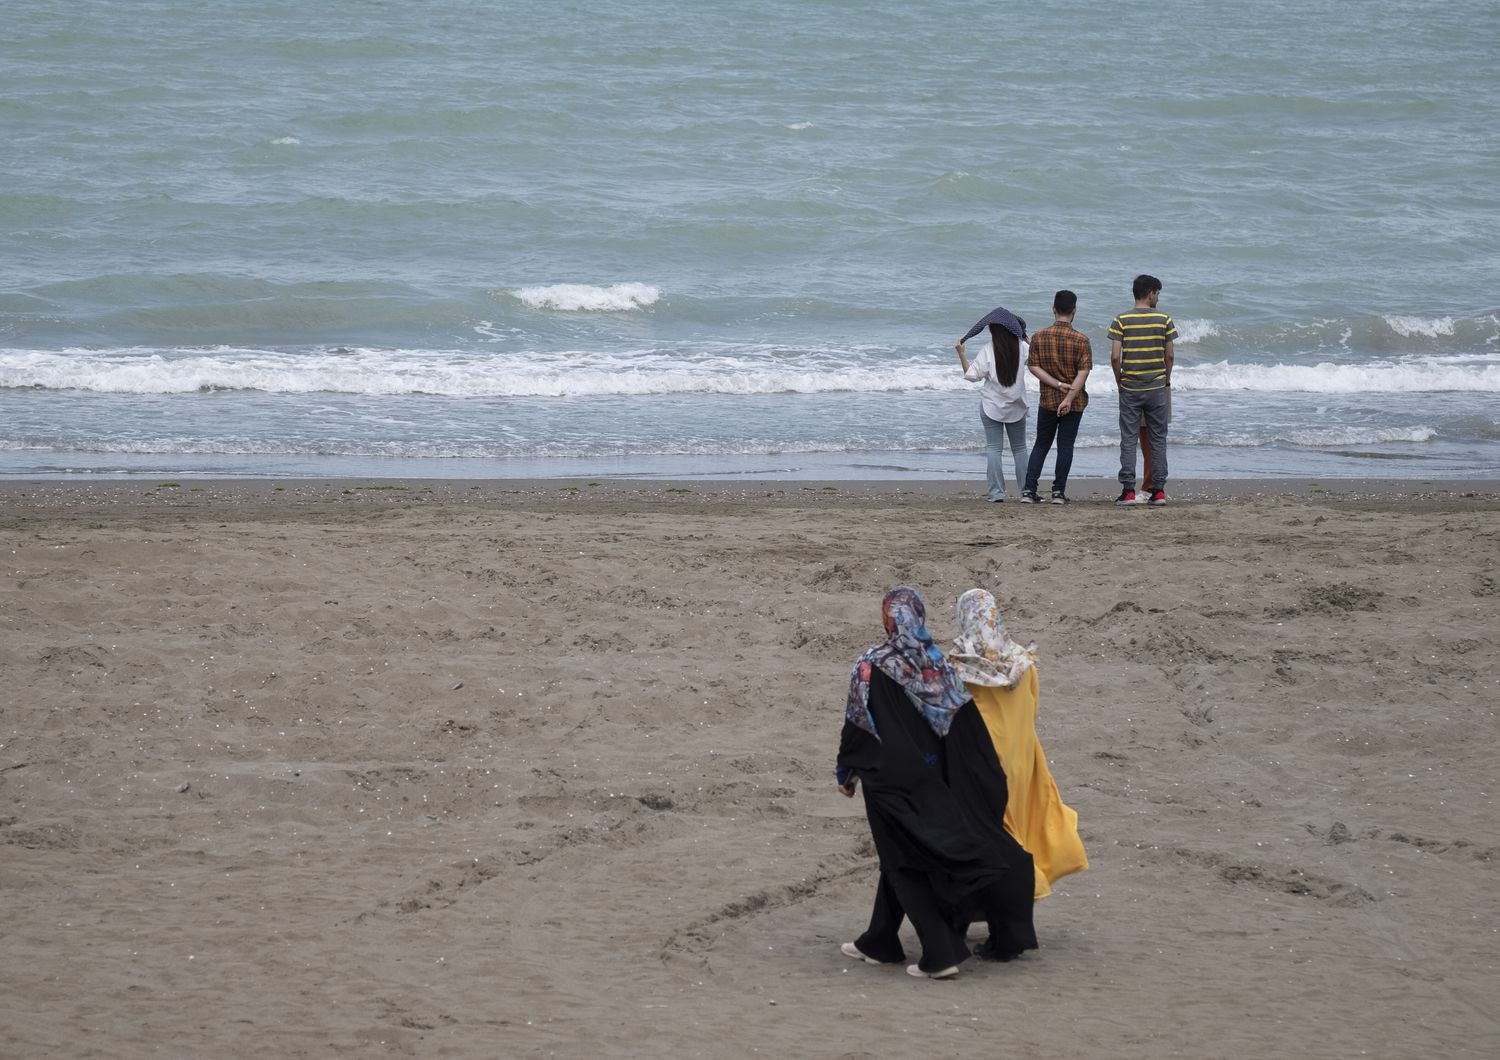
(490, 770)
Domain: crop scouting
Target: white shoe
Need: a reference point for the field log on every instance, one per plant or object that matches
(946, 973)
(849, 949)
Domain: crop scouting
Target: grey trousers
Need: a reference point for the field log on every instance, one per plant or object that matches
(1151, 406)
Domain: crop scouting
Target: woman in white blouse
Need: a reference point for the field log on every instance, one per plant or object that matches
(1002, 398)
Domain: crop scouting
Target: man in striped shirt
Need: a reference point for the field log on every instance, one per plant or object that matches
(1140, 352)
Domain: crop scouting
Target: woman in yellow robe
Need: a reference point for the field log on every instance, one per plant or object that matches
(1001, 676)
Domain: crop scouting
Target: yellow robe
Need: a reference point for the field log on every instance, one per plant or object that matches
(1035, 814)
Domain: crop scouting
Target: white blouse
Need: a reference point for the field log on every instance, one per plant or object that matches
(1004, 404)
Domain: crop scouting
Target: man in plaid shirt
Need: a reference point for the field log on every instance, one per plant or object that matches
(1061, 359)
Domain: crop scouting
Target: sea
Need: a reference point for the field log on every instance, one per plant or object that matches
(735, 238)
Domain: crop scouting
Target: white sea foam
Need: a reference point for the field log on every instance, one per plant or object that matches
(573, 297)
(546, 448)
(1427, 327)
(1335, 437)
(800, 125)
(467, 374)
(704, 369)
(1307, 438)
(1412, 376)
(1190, 330)
(286, 141)
(490, 330)
(1321, 437)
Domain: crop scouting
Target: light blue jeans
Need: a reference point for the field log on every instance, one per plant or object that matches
(994, 453)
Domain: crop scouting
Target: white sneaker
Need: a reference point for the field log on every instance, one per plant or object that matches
(849, 949)
(946, 973)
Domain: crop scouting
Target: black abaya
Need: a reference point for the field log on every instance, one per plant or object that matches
(935, 808)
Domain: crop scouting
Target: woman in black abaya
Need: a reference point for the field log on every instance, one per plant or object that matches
(935, 798)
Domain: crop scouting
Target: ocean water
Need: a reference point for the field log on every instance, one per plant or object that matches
(725, 239)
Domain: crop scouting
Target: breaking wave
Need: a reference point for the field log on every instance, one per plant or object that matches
(579, 297)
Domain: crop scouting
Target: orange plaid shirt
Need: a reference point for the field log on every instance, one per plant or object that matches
(1062, 352)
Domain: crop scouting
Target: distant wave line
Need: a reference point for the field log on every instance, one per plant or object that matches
(390, 373)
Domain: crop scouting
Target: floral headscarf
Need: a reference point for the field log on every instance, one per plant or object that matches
(909, 657)
(983, 652)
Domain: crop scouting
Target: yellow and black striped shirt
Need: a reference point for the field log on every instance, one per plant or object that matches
(1143, 335)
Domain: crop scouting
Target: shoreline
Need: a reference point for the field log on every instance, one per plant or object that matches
(1084, 493)
(1437, 458)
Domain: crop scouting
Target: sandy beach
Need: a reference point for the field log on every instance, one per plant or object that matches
(484, 769)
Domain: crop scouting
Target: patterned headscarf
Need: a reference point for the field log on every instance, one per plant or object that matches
(909, 657)
(983, 652)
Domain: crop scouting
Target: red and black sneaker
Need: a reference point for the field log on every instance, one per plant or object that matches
(1127, 496)
(1158, 498)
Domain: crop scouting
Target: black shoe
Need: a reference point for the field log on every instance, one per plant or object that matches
(986, 951)
(1058, 497)
(1028, 497)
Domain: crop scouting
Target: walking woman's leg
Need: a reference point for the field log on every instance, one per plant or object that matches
(943, 944)
(1008, 905)
(881, 940)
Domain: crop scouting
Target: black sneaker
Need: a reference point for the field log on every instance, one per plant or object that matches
(1028, 497)
(1058, 497)
(1127, 496)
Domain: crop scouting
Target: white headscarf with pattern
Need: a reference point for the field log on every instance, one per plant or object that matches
(983, 652)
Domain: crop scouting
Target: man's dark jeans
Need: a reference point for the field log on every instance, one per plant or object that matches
(1065, 429)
